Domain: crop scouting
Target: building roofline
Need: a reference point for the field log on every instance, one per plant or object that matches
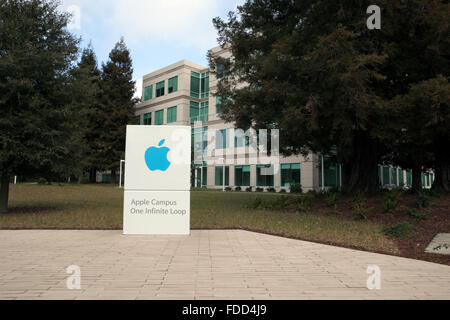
(175, 66)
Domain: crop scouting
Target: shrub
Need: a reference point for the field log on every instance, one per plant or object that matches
(413, 213)
(303, 203)
(282, 190)
(391, 200)
(271, 189)
(331, 199)
(237, 188)
(256, 202)
(358, 202)
(423, 200)
(401, 230)
(359, 205)
(42, 181)
(227, 188)
(248, 189)
(84, 180)
(259, 189)
(296, 188)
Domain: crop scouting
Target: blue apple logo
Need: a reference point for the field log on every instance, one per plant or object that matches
(156, 158)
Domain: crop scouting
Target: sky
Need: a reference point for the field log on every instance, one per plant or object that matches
(157, 32)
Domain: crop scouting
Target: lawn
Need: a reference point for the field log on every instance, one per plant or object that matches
(100, 207)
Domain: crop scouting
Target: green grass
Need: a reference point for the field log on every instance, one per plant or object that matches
(100, 207)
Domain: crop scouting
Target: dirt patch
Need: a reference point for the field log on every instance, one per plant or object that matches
(437, 220)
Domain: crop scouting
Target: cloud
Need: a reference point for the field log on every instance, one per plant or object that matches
(180, 23)
(138, 87)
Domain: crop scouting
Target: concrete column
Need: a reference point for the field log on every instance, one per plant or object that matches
(253, 175)
(231, 176)
(277, 175)
(309, 173)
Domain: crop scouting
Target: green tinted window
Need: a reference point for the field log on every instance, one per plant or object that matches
(204, 109)
(386, 176)
(172, 85)
(160, 89)
(148, 92)
(222, 139)
(240, 139)
(204, 85)
(394, 176)
(218, 177)
(332, 172)
(409, 178)
(242, 175)
(172, 114)
(148, 119)
(290, 174)
(195, 84)
(263, 180)
(137, 120)
(194, 111)
(159, 117)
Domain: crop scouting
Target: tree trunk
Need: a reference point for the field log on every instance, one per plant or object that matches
(360, 171)
(417, 178)
(113, 176)
(92, 175)
(442, 177)
(4, 192)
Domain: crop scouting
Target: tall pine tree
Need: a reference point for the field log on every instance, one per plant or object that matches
(36, 56)
(116, 106)
(316, 72)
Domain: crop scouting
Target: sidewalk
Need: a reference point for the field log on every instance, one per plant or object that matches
(209, 264)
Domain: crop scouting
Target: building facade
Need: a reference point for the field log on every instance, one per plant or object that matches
(183, 94)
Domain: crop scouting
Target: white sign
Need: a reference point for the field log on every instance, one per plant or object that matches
(157, 180)
(156, 212)
(158, 158)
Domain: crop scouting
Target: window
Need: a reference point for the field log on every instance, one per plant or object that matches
(218, 105)
(240, 139)
(194, 109)
(386, 179)
(290, 174)
(394, 176)
(204, 109)
(137, 120)
(204, 85)
(148, 119)
(172, 114)
(160, 89)
(223, 69)
(218, 177)
(332, 172)
(199, 111)
(148, 92)
(195, 84)
(200, 140)
(242, 175)
(201, 174)
(159, 117)
(409, 178)
(172, 84)
(222, 139)
(264, 180)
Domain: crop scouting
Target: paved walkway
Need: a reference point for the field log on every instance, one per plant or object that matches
(219, 264)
